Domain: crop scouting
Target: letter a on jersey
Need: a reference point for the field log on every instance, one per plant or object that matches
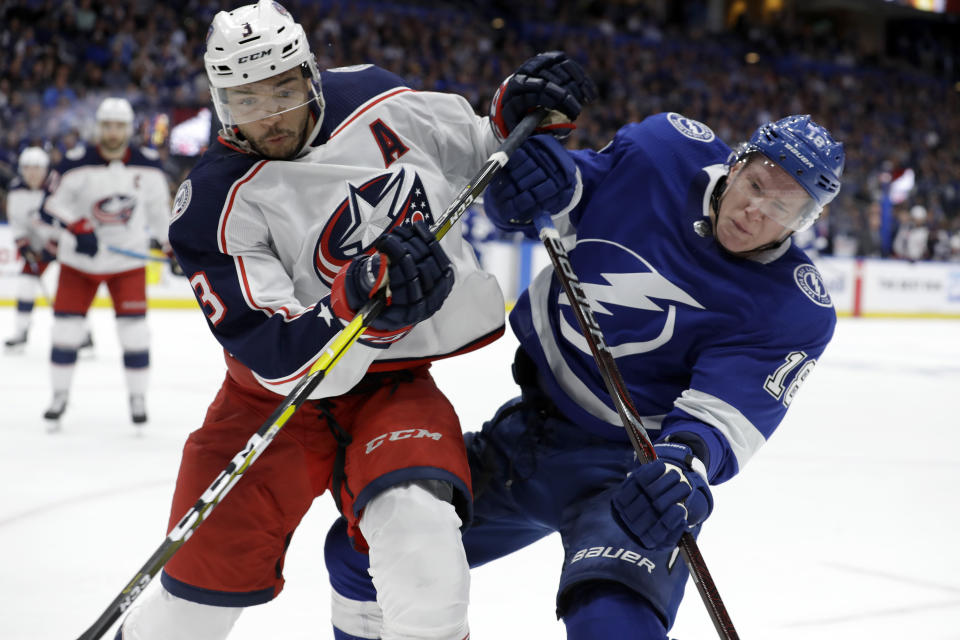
(389, 142)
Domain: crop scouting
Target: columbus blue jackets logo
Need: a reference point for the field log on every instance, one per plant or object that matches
(115, 209)
(630, 283)
(369, 211)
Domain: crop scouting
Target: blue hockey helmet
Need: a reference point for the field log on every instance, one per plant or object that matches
(808, 153)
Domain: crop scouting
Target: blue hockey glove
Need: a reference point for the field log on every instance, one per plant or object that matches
(539, 177)
(550, 80)
(417, 273)
(664, 498)
(83, 231)
(49, 253)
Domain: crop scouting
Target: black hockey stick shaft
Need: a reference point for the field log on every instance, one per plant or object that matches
(628, 413)
(331, 354)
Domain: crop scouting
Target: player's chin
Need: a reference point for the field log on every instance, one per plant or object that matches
(277, 147)
(734, 239)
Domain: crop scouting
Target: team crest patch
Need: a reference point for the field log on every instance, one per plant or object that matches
(182, 200)
(367, 212)
(808, 279)
(115, 209)
(691, 128)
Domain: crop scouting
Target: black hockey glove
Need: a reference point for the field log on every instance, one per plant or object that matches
(662, 499)
(540, 177)
(550, 80)
(30, 255)
(413, 267)
(175, 267)
(83, 231)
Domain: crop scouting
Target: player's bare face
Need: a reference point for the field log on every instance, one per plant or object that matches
(759, 196)
(34, 176)
(114, 136)
(280, 112)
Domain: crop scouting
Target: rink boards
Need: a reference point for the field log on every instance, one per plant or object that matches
(858, 287)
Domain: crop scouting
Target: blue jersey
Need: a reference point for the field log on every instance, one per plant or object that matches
(710, 345)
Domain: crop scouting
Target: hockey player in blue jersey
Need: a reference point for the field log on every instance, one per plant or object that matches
(715, 319)
(319, 190)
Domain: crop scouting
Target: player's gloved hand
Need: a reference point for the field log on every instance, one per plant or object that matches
(416, 271)
(30, 255)
(85, 235)
(539, 177)
(550, 80)
(49, 252)
(662, 499)
(175, 267)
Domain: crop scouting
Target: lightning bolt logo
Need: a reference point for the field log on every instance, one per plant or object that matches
(633, 289)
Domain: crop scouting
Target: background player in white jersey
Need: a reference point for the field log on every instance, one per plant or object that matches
(714, 318)
(35, 240)
(320, 190)
(111, 197)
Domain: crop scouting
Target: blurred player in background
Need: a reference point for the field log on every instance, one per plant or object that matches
(715, 319)
(35, 239)
(111, 198)
(320, 190)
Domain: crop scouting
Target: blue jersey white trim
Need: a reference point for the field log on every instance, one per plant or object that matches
(699, 334)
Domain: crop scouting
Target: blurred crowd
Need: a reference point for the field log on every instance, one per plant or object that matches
(897, 110)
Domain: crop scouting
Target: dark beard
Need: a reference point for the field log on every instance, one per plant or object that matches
(300, 140)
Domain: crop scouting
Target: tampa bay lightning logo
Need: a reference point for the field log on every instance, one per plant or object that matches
(691, 128)
(115, 209)
(370, 210)
(630, 282)
(811, 283)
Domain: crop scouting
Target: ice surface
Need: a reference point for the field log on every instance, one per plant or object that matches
(843, 526)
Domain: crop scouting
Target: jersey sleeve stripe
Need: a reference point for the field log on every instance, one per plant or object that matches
(229, 206)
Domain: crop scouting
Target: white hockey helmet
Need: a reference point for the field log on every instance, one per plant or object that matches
(115, 110)
(248, 45)
(33, 157)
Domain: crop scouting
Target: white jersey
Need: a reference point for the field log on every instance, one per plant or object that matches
(23, 214)
(127, 201)
(262, 240)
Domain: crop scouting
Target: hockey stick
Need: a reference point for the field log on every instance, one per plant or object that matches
(137, 254)
(331, 354)
(35, 269)
(617, 389)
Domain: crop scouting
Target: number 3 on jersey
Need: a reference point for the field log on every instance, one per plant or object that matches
(211, 303)
(775, 383)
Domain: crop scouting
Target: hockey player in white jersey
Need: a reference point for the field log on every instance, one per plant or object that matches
(715, 319)
(320, 190)
(36, 241)
(108, 196)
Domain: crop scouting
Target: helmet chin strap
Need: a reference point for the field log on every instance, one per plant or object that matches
(705, 228)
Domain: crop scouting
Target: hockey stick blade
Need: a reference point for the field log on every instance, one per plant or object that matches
(629, 415)
(329, 357)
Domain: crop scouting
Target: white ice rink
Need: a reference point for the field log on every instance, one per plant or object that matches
(844, 526)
